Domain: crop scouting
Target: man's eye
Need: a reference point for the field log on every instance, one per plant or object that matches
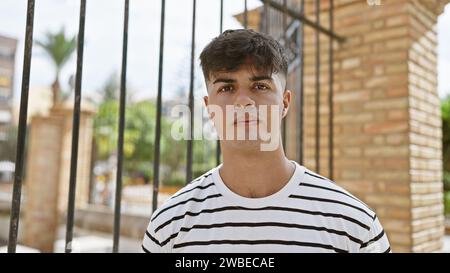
(261, 87)
(227, 88)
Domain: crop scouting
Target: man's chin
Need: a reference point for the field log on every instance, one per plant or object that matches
(246, 145)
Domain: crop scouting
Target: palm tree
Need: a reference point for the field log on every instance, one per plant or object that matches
(59, 49)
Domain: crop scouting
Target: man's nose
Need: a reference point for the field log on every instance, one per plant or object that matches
(243, 99)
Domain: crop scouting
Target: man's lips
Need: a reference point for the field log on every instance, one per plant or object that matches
(246, 121)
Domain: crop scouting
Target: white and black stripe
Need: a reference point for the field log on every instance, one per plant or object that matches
(260, 242)
(310, 214)
(330, 186)
(210, 211)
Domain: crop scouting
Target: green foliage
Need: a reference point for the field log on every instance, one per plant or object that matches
(138, 133)
(58, 47)
(447, 181)
(445, 110)
(8, 146)
(139, 137)
(177, 181)
(447, 203)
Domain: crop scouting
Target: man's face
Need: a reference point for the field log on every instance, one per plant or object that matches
(236, 102)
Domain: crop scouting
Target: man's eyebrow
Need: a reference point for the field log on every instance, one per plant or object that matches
(260, 78)
(224, 80)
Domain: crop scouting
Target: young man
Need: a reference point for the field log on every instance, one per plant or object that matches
(258, 200)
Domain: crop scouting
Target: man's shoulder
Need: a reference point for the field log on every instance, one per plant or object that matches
(323, 189)
(195, 191)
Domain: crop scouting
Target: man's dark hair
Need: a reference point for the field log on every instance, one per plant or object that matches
(233, 48)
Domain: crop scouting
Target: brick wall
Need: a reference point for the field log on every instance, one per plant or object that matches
(387, 124)
(425, 130)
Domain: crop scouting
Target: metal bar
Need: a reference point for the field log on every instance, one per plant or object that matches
(218, 153)
(221, 30)
(221, 16)
(20, 154)
(300, 97)
(245, 14)
(123, 91)
(304, 19)
(158, 111)
(317, 36)
(330, 94)
(266, 16)
(75, 130)
(285, 38)
(285, 7)
(191, 100)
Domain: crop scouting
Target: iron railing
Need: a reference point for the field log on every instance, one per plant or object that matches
(289, 12)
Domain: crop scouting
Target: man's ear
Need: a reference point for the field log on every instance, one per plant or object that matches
(286, 101)
(206, 101)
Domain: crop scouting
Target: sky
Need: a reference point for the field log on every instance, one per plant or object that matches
(103, 41)
(444, 53)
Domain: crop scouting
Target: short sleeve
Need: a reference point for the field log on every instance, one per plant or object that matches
(376, 240)
(151, 243)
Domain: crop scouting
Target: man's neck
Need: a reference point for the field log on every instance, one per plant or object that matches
(255, 174)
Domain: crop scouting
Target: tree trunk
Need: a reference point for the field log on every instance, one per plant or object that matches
(56, 91)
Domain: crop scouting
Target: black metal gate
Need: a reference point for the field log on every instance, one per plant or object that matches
(282, 14)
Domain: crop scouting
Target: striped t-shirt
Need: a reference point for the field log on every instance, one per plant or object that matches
(309, 214)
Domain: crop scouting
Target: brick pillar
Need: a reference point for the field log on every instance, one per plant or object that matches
(48, 169)
(425, 124)
(84, 154)
(387, 123)
(42, 183)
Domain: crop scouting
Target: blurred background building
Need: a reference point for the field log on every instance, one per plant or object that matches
(7, 65)
(7, 71)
